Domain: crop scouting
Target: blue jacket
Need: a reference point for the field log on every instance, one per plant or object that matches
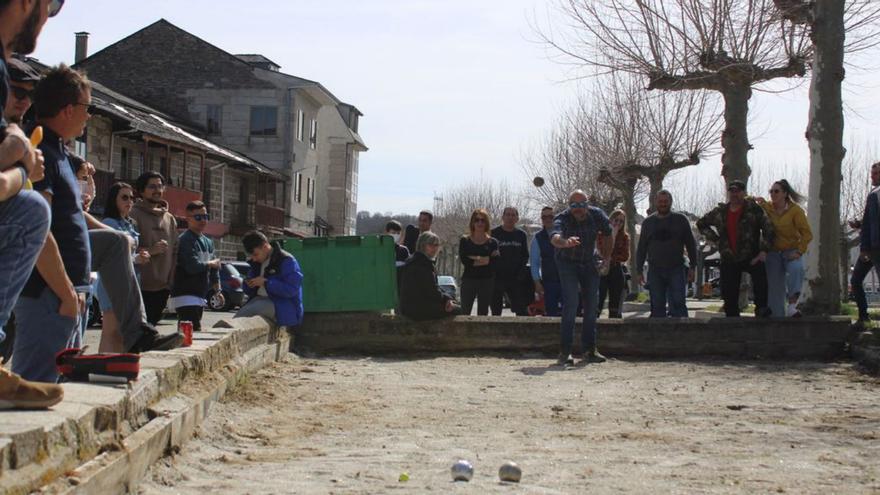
(870, 237)
(283, 284)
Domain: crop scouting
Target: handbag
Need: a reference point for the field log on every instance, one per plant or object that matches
(76, 366)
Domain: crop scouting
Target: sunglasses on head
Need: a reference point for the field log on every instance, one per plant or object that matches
(201, 217)
(55, 7)
(578, 204)
(22, 93)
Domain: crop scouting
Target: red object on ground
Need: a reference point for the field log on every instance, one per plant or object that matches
(76, 366)
(537, 308)
(186, 328)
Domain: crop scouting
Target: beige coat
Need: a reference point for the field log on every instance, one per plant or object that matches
(155, 223)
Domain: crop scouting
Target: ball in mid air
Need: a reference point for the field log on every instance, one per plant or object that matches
(538, 181)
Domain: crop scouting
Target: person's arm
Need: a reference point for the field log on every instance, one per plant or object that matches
(94, 223)
(624, 257)
(690, 244)
(213, 267)
(463, 255)
(535, 260)
(12, 181)
(524, 255)
(604, 227)
(768, 233)
(286, 286)
(642, 247)
(803, 228)
(865, 234)
(705, 224)
(50, 266)
(15, 148)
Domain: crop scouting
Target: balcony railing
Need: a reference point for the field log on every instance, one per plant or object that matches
(269, 216)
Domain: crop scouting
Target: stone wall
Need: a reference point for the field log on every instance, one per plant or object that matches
(372, 334)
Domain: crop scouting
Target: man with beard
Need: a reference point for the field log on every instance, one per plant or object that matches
(24, 215)
(664, 237)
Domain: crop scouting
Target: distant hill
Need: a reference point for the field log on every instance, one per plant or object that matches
(374, 223)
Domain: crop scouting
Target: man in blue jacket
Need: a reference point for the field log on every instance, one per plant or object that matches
(274, 283)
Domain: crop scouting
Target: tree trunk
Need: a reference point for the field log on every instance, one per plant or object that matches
(844, 263)
(655, 182)
(735, 138)
(825, 136)
(629, 207)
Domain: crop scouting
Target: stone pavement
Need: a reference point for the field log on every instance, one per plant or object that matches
(101, 438)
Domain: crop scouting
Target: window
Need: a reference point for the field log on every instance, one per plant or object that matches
(300, 125)
(215, 118)
(297, 188)
(125, 164)
(313, 135)
(310, 193)
(264, 121)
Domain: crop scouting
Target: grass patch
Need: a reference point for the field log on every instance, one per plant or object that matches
(642, 297)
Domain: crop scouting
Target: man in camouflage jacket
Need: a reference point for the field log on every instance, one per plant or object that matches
(743, 234)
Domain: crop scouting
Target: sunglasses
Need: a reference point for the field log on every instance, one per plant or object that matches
(578, 204)
(22, 93)
(733, 189)
(201, 217)
(775, 191)
(126, 197)
(480, 220)
(89, 107)
(55, 7)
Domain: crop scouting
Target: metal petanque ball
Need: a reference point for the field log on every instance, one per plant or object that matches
(538, 181)
(462, 471)
(509, 471)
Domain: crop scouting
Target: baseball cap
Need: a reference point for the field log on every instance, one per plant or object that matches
(20, 71)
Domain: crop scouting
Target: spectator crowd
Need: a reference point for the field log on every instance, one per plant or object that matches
(55, 255)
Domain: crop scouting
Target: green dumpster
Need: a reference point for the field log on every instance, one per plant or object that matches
(349, 273)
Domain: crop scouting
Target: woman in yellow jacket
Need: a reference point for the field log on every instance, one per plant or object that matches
(785, 268)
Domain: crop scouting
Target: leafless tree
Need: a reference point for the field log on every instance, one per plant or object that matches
(728, 46)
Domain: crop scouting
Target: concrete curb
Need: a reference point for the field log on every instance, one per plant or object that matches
(77, 445)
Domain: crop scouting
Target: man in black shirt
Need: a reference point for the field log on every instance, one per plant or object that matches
(426, 218)
(511, 266)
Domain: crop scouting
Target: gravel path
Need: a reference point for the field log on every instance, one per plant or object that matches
(354, 425)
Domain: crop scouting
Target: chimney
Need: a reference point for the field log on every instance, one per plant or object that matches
(82, 46)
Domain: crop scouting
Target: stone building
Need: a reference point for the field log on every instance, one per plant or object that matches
(243, 102)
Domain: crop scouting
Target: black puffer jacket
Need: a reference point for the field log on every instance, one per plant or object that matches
(420, 297)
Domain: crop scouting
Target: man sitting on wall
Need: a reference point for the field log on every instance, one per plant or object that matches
(274, 283)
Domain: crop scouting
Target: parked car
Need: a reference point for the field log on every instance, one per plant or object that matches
(448, 286)
(231, 285)
(242, 266)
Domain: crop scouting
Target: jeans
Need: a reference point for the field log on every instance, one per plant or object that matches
(785, 277)
(154, 304)
(24, 223)
(668, 285)
(480, 289)
(731, 277)
(111, 258)
(611, 286)
(861, 270)
(192, 314)
(552, 297)
(258, 306)
(579, 282)
(42, 332)
(513, 287)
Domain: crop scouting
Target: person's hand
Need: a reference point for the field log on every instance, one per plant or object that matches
(220, 298)
(571, 242)
(794, 255)
(762, 256)
(256, 282)
(642, 279)
(90, 170)
(760, 200)
(692, 275)
(143, 256)
(159, 248)
(39, 171)
(69, 306)
(481, 261)
(81, 303)
(539, 287)
(214, 263)
(26, 153)
(449, 306)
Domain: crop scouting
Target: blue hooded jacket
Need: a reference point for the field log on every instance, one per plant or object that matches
(283, 285)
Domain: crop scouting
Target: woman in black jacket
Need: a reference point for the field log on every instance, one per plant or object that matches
(420, 296)
(476, 252)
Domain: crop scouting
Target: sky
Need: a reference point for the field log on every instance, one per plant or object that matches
(451, 90)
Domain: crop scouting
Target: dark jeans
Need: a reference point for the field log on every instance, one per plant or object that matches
(861, 270)
(731, 277)
(154, 304)
(552, 298)
(480, 289)
(611, 286)
(668, 285)
(513, 287)
(193, 314)
(579, 281)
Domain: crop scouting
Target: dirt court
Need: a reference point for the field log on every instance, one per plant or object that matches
(336, 425)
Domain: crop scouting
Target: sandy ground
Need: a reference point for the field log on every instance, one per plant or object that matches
(354, 425)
